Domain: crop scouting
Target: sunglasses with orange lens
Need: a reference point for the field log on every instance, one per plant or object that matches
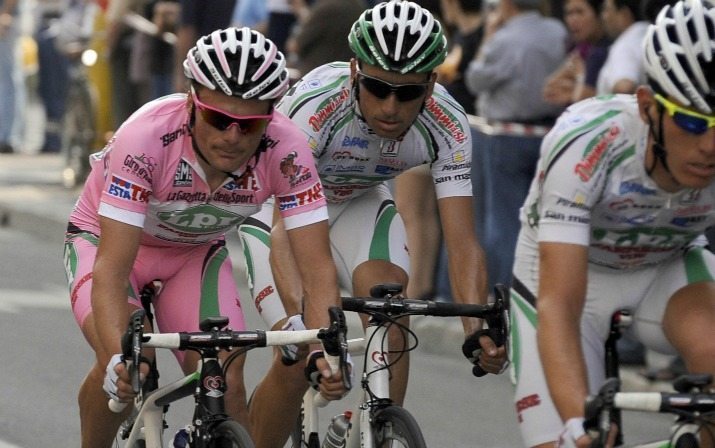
(221, 120)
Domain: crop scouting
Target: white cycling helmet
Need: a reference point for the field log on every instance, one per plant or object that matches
(679, 53)
(240, 62)
(399, 36)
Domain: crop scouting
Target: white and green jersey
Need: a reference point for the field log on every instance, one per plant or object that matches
(592, 189)
(351, 158)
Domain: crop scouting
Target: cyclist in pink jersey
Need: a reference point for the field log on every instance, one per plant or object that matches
(178, 174)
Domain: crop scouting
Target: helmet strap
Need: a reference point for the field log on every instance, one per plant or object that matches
(659, 151)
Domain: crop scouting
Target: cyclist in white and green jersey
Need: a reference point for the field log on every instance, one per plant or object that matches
(367, 121)
(615, 217)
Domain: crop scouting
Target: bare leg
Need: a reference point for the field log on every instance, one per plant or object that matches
(275, 404)
(285, 271)
(689, 316)
(98, 424)
(365, 277)
(421, 219)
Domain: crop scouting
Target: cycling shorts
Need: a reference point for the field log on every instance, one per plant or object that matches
(197, 282)
(645, 291)
(365, 228)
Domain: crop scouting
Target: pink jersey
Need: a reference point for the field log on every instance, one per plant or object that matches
(148, 176)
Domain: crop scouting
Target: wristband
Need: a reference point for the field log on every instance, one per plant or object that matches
(574, 427)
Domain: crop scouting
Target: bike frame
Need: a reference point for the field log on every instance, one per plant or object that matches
(375, 379)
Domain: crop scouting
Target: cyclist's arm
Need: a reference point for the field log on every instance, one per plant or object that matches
(466, 260)
(561, 296)
(118, 246)
(311, 249)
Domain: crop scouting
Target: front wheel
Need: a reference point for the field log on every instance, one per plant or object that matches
(394, 427)
(229, 434)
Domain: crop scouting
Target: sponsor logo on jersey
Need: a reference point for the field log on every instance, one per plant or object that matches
(187, 196)
(389, 148)
(347, 155)
(172, 136)
(305, 197)
(140, 166)
(265, 292)
(338, 168)
(126, 190)
(446, 120)
(577, 203)
(354, 141)
(386, 170)
(296, 174)
(183, 176)
(233, 198)
(456, 177)
(328, 108)
(693, 210)
(629, 203)
(635, 187)
(525, 403)
(593, 155)
(688, 221)
(247, 181)
(204, 218)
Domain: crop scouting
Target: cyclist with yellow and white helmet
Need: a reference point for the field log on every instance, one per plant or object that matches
(367, 121)
(177, 175)
(624, 190)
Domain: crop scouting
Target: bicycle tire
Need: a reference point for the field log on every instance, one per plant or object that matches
(395, 427)
(230, 434)
(687, 441)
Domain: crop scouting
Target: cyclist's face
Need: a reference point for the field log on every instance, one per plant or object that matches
(690, 155)
(390, 109)
(227, 148)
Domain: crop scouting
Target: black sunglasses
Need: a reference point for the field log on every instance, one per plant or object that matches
(382, 89)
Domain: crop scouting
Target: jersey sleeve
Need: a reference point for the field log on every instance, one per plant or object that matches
(452, 141)
(296, 185)
(572, 173)
(129, 173)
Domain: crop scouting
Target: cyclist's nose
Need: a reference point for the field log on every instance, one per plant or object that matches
(391, 105)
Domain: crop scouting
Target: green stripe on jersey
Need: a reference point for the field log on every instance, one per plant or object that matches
(380, 244)
(585, 127)
(209, 285)
(696, 269)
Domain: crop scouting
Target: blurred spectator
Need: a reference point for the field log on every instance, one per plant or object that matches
(317, 41)
(576, 78)
(519, 50)
(623, 70)
(251, 13)
(127, 94)
(165, 15)
(10, 76)
(198, 19)
(53, 70)
(281, 21)
(465, 16)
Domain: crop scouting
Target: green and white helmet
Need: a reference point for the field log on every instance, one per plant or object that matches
(399, 36)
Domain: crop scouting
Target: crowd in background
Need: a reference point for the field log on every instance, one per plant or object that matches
(513, 65)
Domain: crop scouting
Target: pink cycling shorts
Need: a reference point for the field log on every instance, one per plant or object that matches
(197, 282)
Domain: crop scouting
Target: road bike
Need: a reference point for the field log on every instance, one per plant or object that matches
(379, 421)
(210, 426)
(693, 407)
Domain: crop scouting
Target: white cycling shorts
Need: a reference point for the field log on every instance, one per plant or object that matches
(365, 228)
(645, 291)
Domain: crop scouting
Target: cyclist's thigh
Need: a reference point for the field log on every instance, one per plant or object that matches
(255, 235)
(538, 419)
(367, 228)
(202, 286)
(79, 254)
(697, 264)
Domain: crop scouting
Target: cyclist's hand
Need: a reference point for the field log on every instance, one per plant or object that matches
(480, 350)
(573, 435)
(319, 374)
(117, 381)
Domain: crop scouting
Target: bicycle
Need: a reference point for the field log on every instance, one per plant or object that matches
(694, 408)
(381, 422)
(210, 426)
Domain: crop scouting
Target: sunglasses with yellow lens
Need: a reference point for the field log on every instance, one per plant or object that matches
(686, 119)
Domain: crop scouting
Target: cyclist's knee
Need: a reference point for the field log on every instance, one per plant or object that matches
(373, 272)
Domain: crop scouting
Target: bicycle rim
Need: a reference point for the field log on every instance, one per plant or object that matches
(394, 427)
(230, 434)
